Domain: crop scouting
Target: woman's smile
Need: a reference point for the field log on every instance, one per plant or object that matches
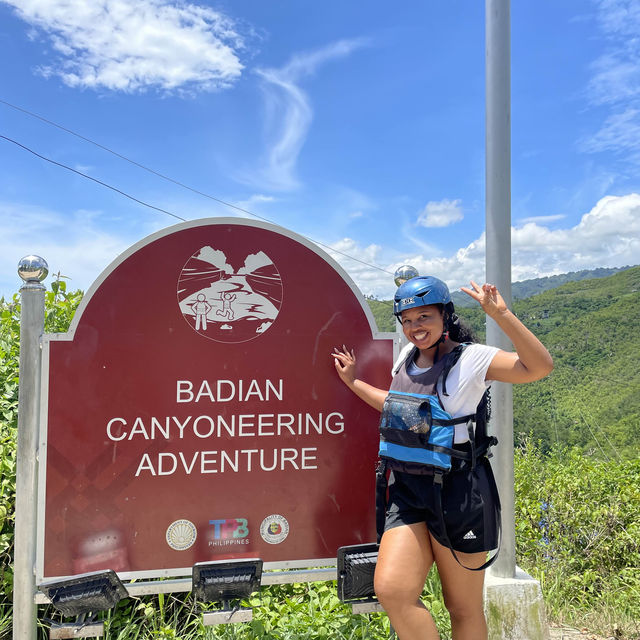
(419, 336)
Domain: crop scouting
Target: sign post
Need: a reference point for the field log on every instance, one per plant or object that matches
(32, 270)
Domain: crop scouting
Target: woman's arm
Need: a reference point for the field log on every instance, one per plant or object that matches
(531, 361)
(345, 362)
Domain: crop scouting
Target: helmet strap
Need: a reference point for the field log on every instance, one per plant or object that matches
(436, 344)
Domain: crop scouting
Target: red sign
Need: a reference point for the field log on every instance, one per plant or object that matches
(193, 411)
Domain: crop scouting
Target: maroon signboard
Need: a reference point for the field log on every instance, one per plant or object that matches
(193, 411)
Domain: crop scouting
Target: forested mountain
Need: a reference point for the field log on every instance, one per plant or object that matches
(592, 329)
(527, 288)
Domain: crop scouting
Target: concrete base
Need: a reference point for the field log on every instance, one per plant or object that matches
(227, 616)
(366, 606)
(76, 630)
(514, 608)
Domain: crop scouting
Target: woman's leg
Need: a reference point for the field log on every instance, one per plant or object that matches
(462, 590)
(404, 560)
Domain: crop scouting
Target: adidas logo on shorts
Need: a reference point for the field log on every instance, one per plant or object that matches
(469, 535)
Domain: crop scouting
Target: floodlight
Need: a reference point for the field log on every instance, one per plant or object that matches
(356, 566)
(223, 581)
(85, 593)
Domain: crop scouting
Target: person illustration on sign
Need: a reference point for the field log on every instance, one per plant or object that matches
(442, 504)
(201, 308)
(226, 311)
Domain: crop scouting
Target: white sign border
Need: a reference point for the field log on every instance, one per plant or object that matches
(69, 335)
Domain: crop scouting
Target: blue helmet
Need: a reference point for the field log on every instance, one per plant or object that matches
(420, 291)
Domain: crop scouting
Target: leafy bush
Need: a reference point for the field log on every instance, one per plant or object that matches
(280, 612)
(59, 309)
(578, 533)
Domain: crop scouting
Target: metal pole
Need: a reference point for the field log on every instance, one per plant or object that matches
(32, 269)
(498, 253)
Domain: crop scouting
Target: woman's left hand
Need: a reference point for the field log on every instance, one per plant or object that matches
(531, 361)
(345, 362)
(488, 296)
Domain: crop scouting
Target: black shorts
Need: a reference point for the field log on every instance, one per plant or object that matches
(470, 506)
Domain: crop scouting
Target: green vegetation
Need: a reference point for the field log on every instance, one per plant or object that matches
(59, 309)
(578, 533)
(577, 487)
(528, 288)
(590, 401)
(383, 313)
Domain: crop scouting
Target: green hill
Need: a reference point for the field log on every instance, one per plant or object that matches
(527, 288)
(592, 329)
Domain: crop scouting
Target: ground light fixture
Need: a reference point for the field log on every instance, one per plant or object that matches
(224, 581)
(83, 596)
(356, 566)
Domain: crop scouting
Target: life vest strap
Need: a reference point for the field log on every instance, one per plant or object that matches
(421, 441)
(437, 483)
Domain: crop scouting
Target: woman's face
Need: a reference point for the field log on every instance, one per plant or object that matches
(423, 326)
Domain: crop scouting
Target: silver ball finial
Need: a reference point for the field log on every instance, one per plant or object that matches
(404, 273)
(33, 269)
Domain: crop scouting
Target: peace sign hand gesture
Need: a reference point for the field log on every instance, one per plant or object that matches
(488, 296)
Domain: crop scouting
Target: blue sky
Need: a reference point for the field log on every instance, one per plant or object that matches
(357, 125)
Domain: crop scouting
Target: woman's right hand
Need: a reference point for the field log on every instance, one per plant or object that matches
(345, 362)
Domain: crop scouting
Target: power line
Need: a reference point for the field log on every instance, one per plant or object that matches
(604, 433)
(84, 175)
(133, 162)
(164, 177)
(594, 436)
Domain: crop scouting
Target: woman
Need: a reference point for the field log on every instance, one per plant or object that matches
(413, 538)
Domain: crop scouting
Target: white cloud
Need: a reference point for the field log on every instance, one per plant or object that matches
(357, 260)
(254, 202)
(620, 132)
(81, 248)
(440, 214)
(619, 17)
(76, 245)
(615, 80)
(131, 46)
(616, 74)
(606, 236)
(289, 113)
(542, 219)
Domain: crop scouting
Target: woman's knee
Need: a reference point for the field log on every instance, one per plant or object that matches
(394, 589)
(384, 585)
(463, 608)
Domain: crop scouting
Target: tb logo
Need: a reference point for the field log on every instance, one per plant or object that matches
(230, 528)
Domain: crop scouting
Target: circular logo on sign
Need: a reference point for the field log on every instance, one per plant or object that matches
(229, 302)
(274, 529)
(181, 534)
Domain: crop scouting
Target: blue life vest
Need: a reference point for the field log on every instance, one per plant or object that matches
(416, 432)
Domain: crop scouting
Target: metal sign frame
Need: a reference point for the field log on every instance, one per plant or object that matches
(315, 564)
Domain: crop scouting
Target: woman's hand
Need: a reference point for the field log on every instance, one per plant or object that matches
(488, 296)
(531, 361)
(345, 362)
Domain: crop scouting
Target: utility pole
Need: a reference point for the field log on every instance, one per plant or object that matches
(498, 253)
